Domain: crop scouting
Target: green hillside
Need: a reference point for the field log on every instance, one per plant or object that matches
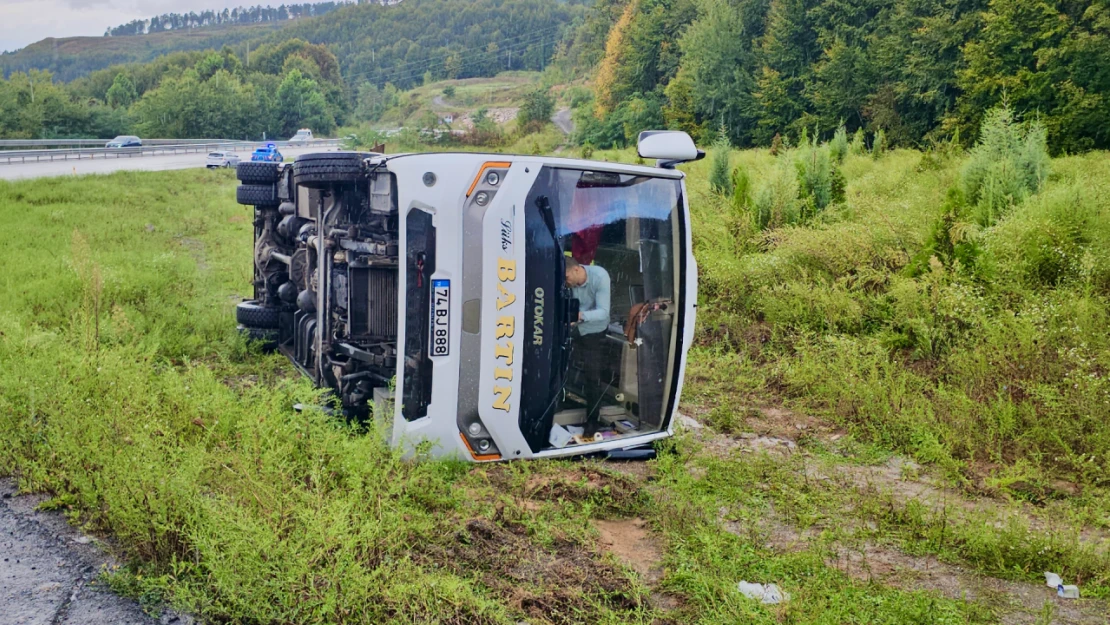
(72, 57)
(397, 44)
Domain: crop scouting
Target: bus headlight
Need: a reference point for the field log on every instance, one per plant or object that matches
(477, 439)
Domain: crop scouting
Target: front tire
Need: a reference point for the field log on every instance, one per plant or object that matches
(257, 195)
(327, 168)
(255, 172)
(254, 315)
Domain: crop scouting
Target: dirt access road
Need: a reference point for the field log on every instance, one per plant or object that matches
(49, 570)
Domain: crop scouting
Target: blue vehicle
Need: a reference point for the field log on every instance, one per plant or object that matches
(268, 154)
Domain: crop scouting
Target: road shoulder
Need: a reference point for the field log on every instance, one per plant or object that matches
(49, 570)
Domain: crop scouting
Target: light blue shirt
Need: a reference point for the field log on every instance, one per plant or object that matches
(593, 300)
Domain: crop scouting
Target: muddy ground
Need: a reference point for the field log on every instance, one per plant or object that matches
(778, 431)
(49, 571)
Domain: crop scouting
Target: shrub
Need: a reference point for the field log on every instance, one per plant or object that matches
(820, 181)
(1049, 239)
(536, 110)
(878, 144)
(776, 145)
(484, 130)
(449, 91)
(741, 188)
(838, 147)
(950, 241)
(1008, 164)
(775, 202)
(362, 138)
(858, 145)
(815, 177)
(719, 165)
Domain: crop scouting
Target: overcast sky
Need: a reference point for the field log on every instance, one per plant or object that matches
(26, 21)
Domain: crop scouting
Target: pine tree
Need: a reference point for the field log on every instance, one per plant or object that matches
(719, 166)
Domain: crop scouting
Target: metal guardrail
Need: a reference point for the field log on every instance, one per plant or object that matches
(11, 144)
(10, 157)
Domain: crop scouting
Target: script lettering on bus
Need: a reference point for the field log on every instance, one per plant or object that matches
(503, 334)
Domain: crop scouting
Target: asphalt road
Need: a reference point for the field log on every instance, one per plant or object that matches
(563, 120)
(49, 570)
(47, 169)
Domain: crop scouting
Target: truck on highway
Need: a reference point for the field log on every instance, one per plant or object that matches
(487, 306)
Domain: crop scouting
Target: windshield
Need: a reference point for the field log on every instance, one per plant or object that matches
(616, 263)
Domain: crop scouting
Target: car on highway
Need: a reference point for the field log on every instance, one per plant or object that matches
(125, 141)
(304, 134)
(483, 306)
(221, 159)
(267, 154)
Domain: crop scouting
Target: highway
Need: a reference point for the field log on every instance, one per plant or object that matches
(47, 169)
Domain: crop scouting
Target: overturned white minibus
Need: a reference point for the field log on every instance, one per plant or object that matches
(492, 306)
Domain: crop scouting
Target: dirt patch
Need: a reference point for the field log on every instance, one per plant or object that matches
(903, 480)
(779, 431)
(1014, 602)
(612, 492)
(631, 542)
(782, 423)
(500, 115)
(558, 584)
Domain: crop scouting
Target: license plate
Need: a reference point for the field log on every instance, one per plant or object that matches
(440, 343)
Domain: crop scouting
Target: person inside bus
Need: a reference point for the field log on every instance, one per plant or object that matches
(589, 284)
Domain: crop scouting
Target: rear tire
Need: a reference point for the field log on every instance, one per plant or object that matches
(327, 168)
(254, 315)
(257, 195)
(252, 172)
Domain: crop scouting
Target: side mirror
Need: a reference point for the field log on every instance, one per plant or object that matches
(670, 147)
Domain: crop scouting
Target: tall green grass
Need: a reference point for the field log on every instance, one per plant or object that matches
(990, 360)
(125, 392)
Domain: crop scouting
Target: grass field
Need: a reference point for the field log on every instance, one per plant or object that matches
(890, 436)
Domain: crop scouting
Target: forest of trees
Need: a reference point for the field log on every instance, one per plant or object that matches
(920, 70)
(280, 82)
(210, 94)
(449, 38)
(373, 42)
(239, 15)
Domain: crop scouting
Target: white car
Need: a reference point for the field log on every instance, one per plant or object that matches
(221, 159)
(304, 134)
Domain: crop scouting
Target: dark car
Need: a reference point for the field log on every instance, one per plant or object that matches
(268, 154)
(125, 141)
